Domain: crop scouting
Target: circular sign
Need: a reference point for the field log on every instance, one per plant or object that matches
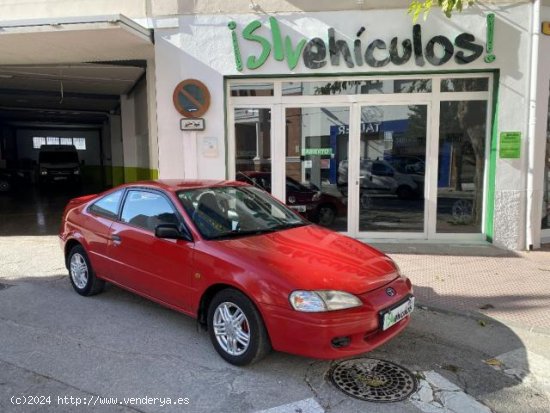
(191, 98)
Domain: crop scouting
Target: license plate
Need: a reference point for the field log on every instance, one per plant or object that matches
(299, 208)
(396, 314)
(59, 178)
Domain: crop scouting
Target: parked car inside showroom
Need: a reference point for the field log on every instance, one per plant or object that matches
(255, 274)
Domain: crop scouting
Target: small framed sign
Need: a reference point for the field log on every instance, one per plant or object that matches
(510, 145)
(192, 124)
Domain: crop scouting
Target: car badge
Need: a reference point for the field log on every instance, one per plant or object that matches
(390, 291)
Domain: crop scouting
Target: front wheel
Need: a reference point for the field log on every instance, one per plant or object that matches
(236, 328)
(82, 275)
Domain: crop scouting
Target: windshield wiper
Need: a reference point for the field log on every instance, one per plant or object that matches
(289, 225)
(236, 234)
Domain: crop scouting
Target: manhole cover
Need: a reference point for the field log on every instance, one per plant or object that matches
(373, 380)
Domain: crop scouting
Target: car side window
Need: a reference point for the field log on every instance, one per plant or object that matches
(380, 168)
(108, 205)
(146, 210)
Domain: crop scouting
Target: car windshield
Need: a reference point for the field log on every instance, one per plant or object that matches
(231, 212)
(58, 157)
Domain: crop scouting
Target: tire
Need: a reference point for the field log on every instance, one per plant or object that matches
(81, 274)
(327, 215)
(404, 192)
(235, 350)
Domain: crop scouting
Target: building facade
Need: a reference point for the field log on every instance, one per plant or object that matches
(434, 130)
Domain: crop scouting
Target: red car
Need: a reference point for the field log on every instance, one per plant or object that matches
(251, 271)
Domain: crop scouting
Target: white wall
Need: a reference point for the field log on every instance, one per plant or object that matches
(91, 155)
(135, 127)
(200, 47)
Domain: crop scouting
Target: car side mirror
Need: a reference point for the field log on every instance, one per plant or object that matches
(171, 231)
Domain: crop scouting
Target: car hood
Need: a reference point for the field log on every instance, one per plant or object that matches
(313, 258)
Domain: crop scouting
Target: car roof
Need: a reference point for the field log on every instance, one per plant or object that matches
(174, 185)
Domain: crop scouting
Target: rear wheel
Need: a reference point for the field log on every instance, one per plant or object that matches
(236, 328)
(82, 275)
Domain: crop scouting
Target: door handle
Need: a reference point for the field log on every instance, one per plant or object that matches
(116, 239)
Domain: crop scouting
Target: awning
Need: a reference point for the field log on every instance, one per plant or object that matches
(74, 40)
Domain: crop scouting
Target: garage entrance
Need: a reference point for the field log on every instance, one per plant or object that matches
(75, 99)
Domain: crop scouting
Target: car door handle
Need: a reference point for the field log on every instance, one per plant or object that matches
(116, 239)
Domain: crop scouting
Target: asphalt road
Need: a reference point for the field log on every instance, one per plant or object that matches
(56, 343)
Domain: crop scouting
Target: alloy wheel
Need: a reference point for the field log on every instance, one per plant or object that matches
(79, 270)
(231, 328)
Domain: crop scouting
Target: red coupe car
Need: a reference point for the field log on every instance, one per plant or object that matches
(251, 271)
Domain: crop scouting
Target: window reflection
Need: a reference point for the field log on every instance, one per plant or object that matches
(252, 139)
(461, 167)
(316, 141)
(392, 168)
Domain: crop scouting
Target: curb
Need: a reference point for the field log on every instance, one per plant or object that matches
(481, 316)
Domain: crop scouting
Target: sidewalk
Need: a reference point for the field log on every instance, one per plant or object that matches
(512, 287)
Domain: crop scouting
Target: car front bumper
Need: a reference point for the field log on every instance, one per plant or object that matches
(313, 334)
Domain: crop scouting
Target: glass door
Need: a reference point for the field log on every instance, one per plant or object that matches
(317, 151)
(390, 159)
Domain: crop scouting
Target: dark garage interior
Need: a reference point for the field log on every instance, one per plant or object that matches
(73, 104)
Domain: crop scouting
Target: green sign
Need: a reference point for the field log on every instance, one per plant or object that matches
(364, 49)
(317, 151)
(510, 145)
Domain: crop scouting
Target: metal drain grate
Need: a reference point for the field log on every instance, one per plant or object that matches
(373, 380)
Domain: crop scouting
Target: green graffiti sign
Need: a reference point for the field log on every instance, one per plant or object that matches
(490, 38)
(317, 52)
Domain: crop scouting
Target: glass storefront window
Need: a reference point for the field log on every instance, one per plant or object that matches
(248, 89)
(253, 146)
(465, 85)
(392, 167)
(356, 151)
(316, 145)
(462, 136)
(357, 87)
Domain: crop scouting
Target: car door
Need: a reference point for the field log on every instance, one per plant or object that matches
(383, 177)
(96, 230)
(158, 268)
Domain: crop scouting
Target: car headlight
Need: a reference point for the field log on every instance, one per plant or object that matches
(76, 172)
(43, 172)
(319, 301)
(316, 196)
